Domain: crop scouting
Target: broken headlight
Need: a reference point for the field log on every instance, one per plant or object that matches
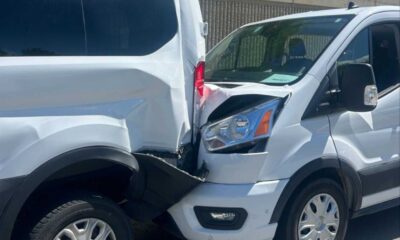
(240, 129)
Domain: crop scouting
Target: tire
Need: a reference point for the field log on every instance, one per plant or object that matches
(329, 194)
(93, 215)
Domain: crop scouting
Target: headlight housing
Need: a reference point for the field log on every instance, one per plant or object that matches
(242, 128)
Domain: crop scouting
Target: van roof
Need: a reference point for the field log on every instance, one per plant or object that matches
(332, 12)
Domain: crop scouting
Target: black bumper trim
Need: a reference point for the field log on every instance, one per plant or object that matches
(205, 220)
(158, 186)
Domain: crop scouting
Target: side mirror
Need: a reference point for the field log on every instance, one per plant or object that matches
(358, 91)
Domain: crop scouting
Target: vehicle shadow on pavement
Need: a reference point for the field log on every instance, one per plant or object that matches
(150, 231)
(380, 226)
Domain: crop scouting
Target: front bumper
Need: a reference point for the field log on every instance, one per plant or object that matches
(259, 201)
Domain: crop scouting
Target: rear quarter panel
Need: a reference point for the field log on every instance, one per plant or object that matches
(49, 105)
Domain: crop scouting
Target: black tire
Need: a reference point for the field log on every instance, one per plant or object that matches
(77, 206)
(288, 225)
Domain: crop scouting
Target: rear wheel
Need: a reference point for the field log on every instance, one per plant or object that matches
(318, 212)
(82, 216)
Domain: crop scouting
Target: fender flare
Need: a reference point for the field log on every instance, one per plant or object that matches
(32, 181)
(348, 176)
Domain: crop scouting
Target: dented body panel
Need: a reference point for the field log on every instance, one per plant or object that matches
(215, 95)
(264, 178)
(133, 103)
(277, 160)
(51, 106)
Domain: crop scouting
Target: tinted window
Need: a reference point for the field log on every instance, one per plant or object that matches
(129, 27)
(41, 28)
(385, 40)
(357, 51)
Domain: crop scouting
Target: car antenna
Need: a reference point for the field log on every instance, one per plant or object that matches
(352, 5)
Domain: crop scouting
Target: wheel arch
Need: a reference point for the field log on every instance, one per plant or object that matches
(34, 180)
(332, 168)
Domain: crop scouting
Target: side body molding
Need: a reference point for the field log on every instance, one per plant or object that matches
(33, 180)
(348, 176)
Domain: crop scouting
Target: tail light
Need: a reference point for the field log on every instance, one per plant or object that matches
(199, 78)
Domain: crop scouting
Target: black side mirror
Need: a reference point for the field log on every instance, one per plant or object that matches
(358, 91)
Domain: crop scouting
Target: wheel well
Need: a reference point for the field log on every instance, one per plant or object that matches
(103, 177)
(331, 174)
(336, 169)
(327, 173)
(299, 181)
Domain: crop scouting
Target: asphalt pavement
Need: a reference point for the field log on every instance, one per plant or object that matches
(380, 226)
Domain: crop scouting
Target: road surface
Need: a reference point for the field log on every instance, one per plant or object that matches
(381, 226)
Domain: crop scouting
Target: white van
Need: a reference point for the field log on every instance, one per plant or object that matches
(84, 84)
(300, 128)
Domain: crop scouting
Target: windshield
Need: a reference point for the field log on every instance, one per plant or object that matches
(276, 53)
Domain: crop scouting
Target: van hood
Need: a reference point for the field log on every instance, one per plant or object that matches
(216, 94)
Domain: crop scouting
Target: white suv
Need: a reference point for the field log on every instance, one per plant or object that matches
(300, 127)
(84, 84)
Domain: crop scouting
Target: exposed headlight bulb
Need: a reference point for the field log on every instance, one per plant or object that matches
(239, 127)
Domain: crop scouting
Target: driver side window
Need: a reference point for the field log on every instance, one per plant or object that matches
(377, 45)
(357, 51)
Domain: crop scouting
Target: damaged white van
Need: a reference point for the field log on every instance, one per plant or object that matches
(90, 88)
(300, 128)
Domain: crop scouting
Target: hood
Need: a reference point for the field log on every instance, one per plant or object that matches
(215, 94)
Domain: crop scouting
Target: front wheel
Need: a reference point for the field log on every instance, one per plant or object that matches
(318, 212)
(82, 216)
